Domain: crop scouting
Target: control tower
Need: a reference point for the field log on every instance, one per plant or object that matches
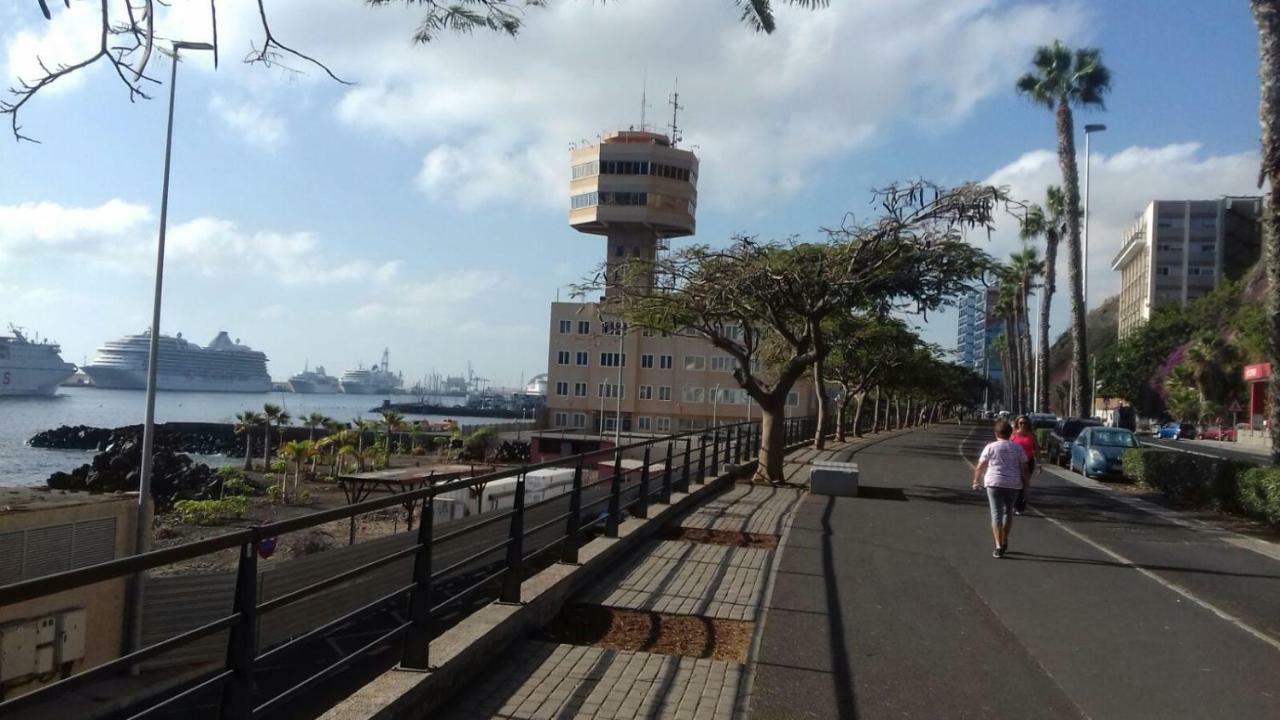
(635, 188)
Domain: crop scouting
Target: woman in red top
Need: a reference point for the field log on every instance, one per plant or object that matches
(1025, 436)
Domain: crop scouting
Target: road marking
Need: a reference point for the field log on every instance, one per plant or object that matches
(1126, 562)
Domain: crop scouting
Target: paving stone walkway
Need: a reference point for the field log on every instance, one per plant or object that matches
(551, 681)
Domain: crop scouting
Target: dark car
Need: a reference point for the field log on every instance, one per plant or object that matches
(1058, 447)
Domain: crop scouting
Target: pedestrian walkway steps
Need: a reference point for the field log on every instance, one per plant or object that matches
(546, 680)
(758, 509)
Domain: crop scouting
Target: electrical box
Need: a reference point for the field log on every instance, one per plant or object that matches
(17, 651)
(44, 659)
(72, 625)
(46, 630)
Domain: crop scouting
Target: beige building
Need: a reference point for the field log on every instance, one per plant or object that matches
(638, 190)
(1179, 250)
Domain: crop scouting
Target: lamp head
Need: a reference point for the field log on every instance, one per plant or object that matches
(1096, 127)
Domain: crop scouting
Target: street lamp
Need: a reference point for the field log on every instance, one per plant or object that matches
(715, 400)
(142, 538)
(1084, 265)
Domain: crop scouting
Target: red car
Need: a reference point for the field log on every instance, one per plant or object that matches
(1225, 434)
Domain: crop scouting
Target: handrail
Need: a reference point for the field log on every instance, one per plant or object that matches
(681, 462)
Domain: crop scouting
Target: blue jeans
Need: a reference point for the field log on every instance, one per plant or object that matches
(1001, 500)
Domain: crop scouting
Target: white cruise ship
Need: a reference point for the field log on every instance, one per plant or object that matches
(377, 380)
(30, 368)
(222, 366)
(314, 382)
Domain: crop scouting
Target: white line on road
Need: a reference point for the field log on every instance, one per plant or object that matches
(1126, 562)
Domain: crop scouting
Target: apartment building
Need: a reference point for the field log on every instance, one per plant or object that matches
(1179, 250)
(977, 328)
(638, 190)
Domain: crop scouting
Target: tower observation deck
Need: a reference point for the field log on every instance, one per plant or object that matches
(636, 189)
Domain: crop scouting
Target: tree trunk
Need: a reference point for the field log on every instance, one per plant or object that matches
(875, 419)
(897, 413)
(772, 446)
(911, 421)
(857, 415)
(1042, 360)
(248, 449)
(820, 392)
(1075, 271)
(266, 449)
(1266, 13)
(840, 415)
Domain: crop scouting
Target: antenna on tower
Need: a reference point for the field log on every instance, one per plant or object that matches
(676, 107)
(644, 100)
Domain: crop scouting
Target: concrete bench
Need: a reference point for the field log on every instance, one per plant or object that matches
(833, 478)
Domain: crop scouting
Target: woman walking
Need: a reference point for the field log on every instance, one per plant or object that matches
(1002, 469)
(1025, 436)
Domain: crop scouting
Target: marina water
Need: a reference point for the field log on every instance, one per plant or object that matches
(22, 417)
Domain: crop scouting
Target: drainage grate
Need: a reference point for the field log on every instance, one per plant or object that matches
(735, 538)
(651, 632)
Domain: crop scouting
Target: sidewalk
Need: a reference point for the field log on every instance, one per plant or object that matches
(673, 580)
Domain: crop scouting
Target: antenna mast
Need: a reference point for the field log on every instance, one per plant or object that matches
(676, 107)
(644, 102)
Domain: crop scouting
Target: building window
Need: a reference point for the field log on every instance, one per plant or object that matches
(562, 388)
(662, 424)
(584, 200)
(1162, 270)
(580, 389)
(566, 326)
(579, 420)
(722, 363)
(584, 358)
(646, 361)
(562, 357)
(664, 393)
(695, 362)
(562, 419)
(664, 362)
(612, 391)
(793, 399)
(584, 327)
(613, 327)
(646, 392)
(586, 169)
(613, 359)
(693, 394)
(644, 423)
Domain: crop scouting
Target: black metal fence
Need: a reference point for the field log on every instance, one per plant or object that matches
(451, 572)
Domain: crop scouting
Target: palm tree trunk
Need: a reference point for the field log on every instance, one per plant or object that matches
(248, 449)
(1042, 360)
(1028, 373)
(266, 448)
(1266, 14)
(1075, 272)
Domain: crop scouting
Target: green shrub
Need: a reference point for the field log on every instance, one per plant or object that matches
(1194, 479)
(1259, 494)
(211, 512)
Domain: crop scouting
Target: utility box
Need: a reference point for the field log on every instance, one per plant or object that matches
(834, 478)
(17, 651)
(71, 635)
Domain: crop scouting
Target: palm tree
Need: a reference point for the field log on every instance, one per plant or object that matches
(313, 421)
(1025, 266)
(362, 426)
(294, 451)
(246, 423)
(272, 413)
(1215, 363)
(1266, 14)
(1000, 346)
(1046, 222)
(392, 420)
(1060, 79)
(345, 452)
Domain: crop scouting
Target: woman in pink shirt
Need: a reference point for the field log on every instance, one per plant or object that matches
(1002, 469)
(1025, 436)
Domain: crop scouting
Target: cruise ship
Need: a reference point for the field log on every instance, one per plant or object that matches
(377, 380)
(222, 366)
(30, 368)
(314, 382)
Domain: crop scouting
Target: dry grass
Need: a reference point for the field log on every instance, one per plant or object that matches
(651, 632)
(734, 538)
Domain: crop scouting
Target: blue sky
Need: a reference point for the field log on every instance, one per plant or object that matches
(424, 208)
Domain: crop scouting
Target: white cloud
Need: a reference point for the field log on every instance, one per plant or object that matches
(1122, 184)
(251, 121)
(35, 227)
(73, 35)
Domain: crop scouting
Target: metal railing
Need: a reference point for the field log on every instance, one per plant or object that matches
(523, 534)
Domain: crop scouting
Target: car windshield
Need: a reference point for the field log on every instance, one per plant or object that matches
(1114, 438)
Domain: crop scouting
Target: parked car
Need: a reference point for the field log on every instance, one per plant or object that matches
(1176, 431)
(1043, 421)
(1097, 451)
(1058, 447)
(1225, 434)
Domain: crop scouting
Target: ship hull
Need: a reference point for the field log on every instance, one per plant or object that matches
(32, 381)
(365, 389)
(130, 379)
(310, 387)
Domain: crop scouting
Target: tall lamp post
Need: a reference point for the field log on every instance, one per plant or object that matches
(142, 541)
(1084, 264)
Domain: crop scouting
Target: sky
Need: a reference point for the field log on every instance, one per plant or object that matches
(423, 208)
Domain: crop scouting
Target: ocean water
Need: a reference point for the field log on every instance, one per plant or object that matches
(20, 418)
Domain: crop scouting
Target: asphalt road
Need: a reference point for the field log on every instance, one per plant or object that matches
(1206, 447)
(890, 604)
